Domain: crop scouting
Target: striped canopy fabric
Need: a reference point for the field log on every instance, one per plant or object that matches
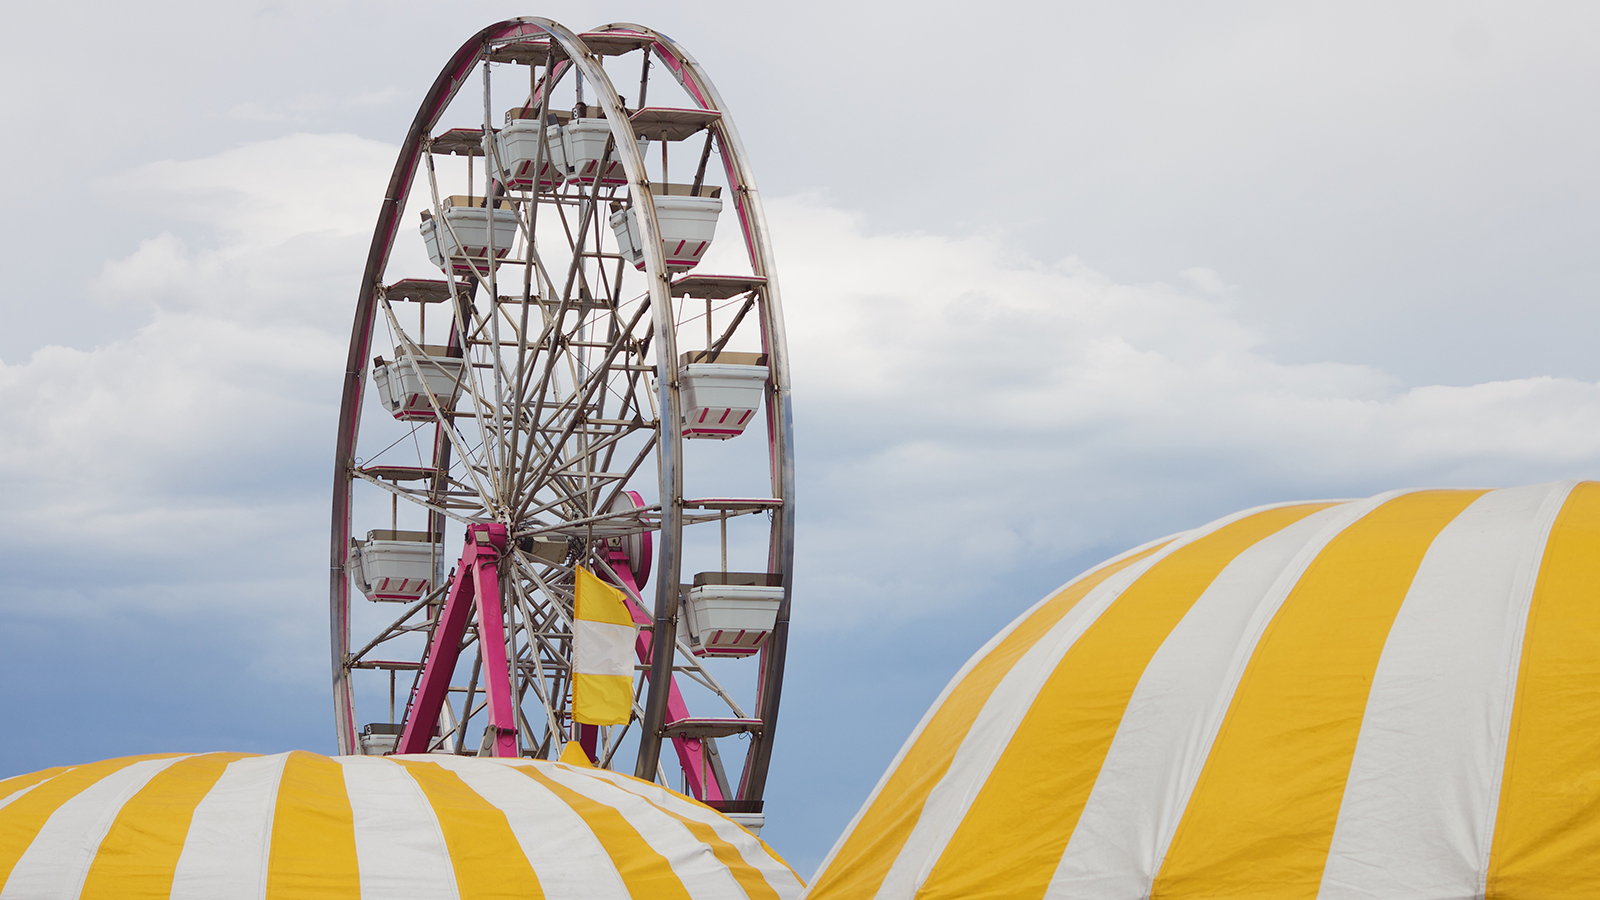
(1392, 698)
(300, 825)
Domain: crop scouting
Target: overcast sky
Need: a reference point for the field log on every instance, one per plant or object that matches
(1060, 278)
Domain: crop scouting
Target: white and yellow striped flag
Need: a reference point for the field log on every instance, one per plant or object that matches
(603, 634)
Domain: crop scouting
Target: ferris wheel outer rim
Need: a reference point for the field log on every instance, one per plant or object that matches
(779, 408)
(753, 227)
(438, 97)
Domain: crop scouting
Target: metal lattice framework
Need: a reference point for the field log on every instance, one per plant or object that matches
(543, 427)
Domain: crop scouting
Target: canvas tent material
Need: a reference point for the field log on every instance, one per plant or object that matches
(300, 825)
(1395, 697)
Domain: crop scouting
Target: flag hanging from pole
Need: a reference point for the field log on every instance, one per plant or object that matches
(602, 653)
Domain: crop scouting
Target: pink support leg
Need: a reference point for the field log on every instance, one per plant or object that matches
(588, 739)
(492, 639)
(476, 577)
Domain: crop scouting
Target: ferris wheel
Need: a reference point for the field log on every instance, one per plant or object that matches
(572, 369)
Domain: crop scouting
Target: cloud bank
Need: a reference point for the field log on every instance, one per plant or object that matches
(963, 410)
(974, 426)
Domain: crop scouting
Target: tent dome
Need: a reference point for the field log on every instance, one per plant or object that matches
(1396, 697)
(292, 825)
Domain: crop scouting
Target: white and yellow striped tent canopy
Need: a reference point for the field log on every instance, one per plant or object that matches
(300, 825)
(1389, 698)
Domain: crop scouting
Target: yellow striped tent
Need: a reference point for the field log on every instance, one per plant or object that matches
(300, 825)
(1393, 698)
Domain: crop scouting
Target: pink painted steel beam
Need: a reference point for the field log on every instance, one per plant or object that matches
(476, 578)
(443, 652)
(491, 541)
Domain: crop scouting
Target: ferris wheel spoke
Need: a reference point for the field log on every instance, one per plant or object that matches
(392, 630)
(637, 514)
(540, 681)
(417, 498)
(467, 711)
(410, 348)
(620, 483)
(469, 382)
(549, 676)
(592, 436)
(572, 500)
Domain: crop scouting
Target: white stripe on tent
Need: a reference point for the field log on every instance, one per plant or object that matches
(997, 722)
(950, 687)
(400, 850)
(224, 856)
(778, 876)
(558, 843)
(1170, 665)
(1171, 717)
(58, 860)
(1418, 809)
(704, 876)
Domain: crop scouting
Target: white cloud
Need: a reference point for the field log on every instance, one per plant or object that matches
(269, 191)
(189, 455)
(1207, 281)
(967, 412)
(306, 106)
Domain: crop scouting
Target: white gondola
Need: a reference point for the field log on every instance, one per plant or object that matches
(730, 614)
(519, 151)
(688, 222)
(379, 738)
(394, 565)
(400, 382)
(464, 245)
(585, 144)
(721, 392)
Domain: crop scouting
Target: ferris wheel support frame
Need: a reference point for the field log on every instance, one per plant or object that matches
(747, 204)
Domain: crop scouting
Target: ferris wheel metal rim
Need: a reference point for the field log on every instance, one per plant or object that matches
(779, 413)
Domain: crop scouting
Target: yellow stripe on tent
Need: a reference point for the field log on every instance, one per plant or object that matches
(639, 865)
(635, 787)
(1262, 815)
(755, 884)
(22, 782)
(876, 841)
(20, 821)
(139, 854)
(488, 860)
(1019, 824)
(749, 877)
(313, 832)
(1547, 834)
